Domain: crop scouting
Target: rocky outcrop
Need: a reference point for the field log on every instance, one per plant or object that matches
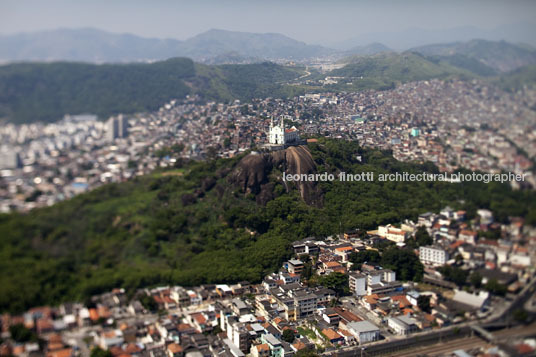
(253, 171)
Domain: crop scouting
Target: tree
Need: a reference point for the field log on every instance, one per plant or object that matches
(494, 287)
(520, 315)
(422, 237)
(336, 281)
(404, 262)
(476, 280)
(365, 256)
(149, 303)
(307, 271)
(99, 352)
(21, 333)
(454, 274)
(423, 302)
(288, 335)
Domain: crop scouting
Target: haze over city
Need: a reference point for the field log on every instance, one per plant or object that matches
(328, 23)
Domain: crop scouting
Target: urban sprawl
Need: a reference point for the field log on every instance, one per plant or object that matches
(454, 124)
(367, 311)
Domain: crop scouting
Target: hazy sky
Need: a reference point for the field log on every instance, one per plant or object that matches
(323, 21)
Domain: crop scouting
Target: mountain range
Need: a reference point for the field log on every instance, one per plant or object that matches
(415, 36)
(96, 46)
(499, 55)
(221, 46)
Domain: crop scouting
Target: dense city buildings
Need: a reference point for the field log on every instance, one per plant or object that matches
(453, 124)
(291, 310)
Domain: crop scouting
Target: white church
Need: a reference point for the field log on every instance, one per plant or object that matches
(278, 135)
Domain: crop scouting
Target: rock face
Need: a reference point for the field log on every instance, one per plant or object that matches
(253, 171)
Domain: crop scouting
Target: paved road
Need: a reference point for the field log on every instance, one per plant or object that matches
(78, 338)
(526, 294)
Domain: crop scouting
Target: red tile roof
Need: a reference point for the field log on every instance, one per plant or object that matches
(331, 335)
(175, 348)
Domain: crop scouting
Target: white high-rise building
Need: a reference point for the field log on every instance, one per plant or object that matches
(433, 255)
(358, 284)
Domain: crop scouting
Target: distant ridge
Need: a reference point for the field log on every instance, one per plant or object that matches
(499, 55)
(97, 46)
(262, 45)
(218, 46)
(84, 45)
(414, 37)
(370, 49)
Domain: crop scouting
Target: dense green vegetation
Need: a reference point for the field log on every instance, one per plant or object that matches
(288, 335)
(21, 334)
(32, 92)
(336, 281)
(198, 228)
(454, 274)
(99, 352)
(423, 301)
(462, 278)
(385, 70)
(515, 80)
(402, 261)
(468, 63)
(46, 91)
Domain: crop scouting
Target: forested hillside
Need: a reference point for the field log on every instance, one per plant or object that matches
(191, 225)
(31, 92)
(386, 70)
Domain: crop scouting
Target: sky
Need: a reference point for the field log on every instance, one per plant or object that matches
(317, 22)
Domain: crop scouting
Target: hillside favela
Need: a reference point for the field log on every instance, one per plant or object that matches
(267, 178)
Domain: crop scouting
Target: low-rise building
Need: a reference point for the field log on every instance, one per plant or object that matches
(364, 331)
(295, 266)
(402, 325)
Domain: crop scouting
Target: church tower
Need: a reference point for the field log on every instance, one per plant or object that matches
(276, 135)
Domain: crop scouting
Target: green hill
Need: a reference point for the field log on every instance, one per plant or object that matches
(198, 224)
(384, 71)
(499, 55)
(32, 92)
(517, 79)
(467, 63)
